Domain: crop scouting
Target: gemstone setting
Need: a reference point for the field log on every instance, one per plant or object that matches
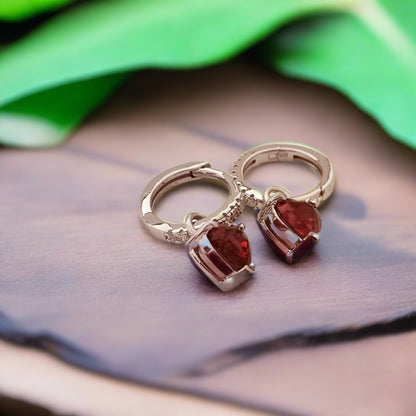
(290, 227)
(222, 253)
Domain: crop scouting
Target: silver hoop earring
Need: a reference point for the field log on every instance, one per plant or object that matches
(290, 224)
(218, 249)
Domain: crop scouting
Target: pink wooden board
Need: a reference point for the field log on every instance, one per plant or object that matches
(77, 267)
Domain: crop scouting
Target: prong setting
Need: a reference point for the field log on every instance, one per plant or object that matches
(213, 262)
(291, 236)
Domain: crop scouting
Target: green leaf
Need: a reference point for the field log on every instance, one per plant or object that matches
(368, 53)
(110, 36)
(46, 118)
(20, 9)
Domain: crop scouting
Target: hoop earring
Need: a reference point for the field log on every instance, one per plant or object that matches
(219, 250)
(290, 224)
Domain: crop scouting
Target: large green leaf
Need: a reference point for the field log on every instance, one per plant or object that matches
(110, 36)
(368, 52)
(21, 9)
(47, 117)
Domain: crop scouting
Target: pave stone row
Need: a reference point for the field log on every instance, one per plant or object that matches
(249, 198)
(233, 211)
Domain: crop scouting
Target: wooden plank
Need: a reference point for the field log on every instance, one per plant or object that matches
(76, 265)
(372, 377)
(71, 391)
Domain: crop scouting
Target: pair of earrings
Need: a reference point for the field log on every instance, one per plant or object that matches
(221, 250)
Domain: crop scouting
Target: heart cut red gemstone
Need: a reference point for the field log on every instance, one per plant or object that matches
(231, 244)
(222, 254)
(287, 225)
(301, 217)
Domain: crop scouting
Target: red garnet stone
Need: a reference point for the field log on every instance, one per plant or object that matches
(222, 254)
(231, 244)
(287, 226)
(301, 217)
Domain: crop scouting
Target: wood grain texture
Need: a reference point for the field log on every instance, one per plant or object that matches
(69, 391)
(77, 267)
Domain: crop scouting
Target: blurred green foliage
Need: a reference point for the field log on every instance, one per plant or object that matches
(369, 54)
(21, 9)
(364, 48)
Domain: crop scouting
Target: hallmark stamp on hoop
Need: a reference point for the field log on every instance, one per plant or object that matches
(278, 154)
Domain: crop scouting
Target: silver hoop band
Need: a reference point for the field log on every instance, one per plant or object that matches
(179, 233)
(284, 152)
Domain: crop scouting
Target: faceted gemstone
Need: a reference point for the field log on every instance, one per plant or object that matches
(301, 217)
(221, 265)
(287, 225)
(303, 249)
(274, 235)
(231, 244)
(222, 254)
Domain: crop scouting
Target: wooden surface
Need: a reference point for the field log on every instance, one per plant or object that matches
(50, 384)
(82, 280)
